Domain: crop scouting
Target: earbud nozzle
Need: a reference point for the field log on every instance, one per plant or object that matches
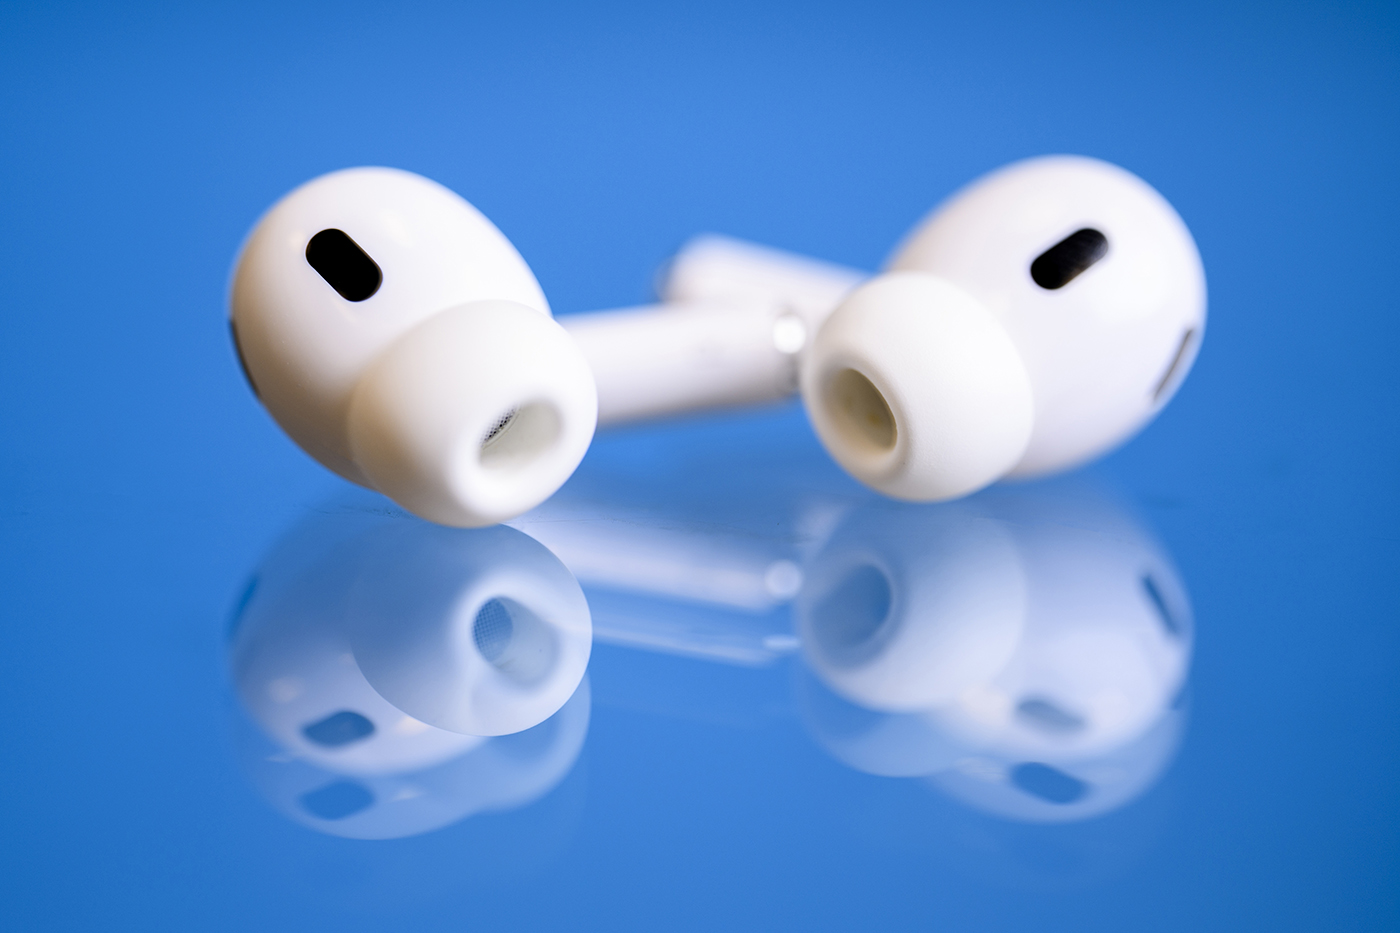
(477, 415)
(917, 390)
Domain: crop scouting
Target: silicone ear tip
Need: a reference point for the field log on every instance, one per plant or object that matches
(917, 390)
(474, 416)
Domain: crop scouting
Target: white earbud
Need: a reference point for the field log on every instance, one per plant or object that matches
(399, 338)
(1039, 318)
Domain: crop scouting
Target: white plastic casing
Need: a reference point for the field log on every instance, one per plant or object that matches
(1102, 354)
(661, 360)
(1107, 350)
(711, 269)
(734, 321)
(415, 429)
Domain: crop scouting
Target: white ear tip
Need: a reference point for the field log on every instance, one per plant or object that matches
(917, 390)
(476, 415)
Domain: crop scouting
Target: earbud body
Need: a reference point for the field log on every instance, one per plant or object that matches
(397, 336)
(1038, 319)
(1096, 281)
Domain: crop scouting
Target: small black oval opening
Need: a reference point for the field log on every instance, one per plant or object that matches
(340, 261)
(1066, 260)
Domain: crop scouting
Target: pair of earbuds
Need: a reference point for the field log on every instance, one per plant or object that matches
(1037, 319)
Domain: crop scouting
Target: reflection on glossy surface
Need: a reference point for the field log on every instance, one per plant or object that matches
(909, 608)
(709, 576)
(1022, 651)
(404, 676)
(484, 633)
(1047, 635)
(484, 775)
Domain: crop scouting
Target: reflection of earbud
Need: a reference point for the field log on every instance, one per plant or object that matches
(1023, 650)
(1060, 787)
(905, 609)
(1107, 640)
(493, 774)
(368, 646)
(1039, 318)
(400, 339)
(1073, 718)
(481, 632)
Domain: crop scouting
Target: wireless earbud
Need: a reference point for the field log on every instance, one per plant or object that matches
(398, 337)
(1039, 318)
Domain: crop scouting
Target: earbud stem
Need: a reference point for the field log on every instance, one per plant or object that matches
(660, 359)
(724, 270)
(735, 319)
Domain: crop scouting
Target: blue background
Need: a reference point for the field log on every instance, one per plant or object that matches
(142, 482)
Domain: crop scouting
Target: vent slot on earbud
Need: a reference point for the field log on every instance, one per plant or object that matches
(1166, 379)
(345, 267)
(1068, 259)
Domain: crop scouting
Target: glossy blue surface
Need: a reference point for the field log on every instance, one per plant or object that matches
(709, 777)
